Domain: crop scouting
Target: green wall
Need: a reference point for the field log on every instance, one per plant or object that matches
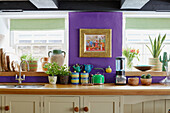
(147, 23)
(37, 24)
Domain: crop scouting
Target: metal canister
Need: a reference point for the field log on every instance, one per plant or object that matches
(84, 78)
(75, 78)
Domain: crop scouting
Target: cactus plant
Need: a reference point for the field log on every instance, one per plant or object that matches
(164, 61)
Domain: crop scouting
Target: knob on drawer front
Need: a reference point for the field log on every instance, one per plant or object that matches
(86, 109)
(6, 108)
(76, 109)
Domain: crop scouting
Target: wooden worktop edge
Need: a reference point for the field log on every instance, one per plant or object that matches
(127, 73)
(85, 91)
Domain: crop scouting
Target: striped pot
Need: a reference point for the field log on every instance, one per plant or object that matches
(157, 64)
(33, 66)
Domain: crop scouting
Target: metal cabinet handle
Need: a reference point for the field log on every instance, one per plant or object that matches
(76, 109)
(86, 109)
(6, 108)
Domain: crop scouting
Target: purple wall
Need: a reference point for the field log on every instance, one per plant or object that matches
(95, 20)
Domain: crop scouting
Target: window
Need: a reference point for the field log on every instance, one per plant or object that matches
(38, 43)
(138, 39)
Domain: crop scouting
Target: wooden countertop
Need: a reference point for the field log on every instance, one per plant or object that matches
(107, 89)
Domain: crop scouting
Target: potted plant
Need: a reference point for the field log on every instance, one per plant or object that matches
(64, 74)
(52, 71)
(156, 48)
(32, 63)
(23, 65)
(146, 79)
(130, 54)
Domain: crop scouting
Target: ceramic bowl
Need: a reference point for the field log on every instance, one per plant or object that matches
(146, 81)
(133, 81)
(144, 67)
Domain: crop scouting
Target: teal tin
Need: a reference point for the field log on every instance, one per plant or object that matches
(75, 78)
(84, 78)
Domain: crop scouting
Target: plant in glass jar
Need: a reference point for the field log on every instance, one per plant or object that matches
(52, 71)
(130, 54)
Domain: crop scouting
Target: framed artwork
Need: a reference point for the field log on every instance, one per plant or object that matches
(95, 43)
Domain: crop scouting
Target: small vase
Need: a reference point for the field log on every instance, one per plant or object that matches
(64, 79)
(52, 79)
(129, 64)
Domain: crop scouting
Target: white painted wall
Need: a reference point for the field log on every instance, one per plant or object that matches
(5, 30)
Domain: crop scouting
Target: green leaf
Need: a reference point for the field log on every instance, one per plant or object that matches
(163, 39)
(149, 49)
(151, 43)
(155, 48)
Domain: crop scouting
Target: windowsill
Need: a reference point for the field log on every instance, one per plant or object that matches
(128, 73)
(139, 73)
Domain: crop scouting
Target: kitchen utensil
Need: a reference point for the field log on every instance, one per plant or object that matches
(78, 68)
(56, 56)
(144, 67)
(133, 81)
(44, 60)
(98, 79)
(75, 78)
(120, 71)
(4, 61)
(1, 51)
(84, 78)
(88, 68)
(146, 81)
(108, 69)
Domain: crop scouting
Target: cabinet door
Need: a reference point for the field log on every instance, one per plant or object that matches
(22, 104)
(101, 104)
(61, 104)
(155, 106)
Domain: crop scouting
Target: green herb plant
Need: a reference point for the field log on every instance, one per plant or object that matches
(52, 69)
(31, 58)
(23, 57)
(64, 71)
(156, 45)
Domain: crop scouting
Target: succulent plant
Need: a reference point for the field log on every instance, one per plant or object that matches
(156, 45)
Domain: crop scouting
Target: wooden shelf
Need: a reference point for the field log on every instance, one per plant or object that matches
(127, 73)
(26, 73)
(139, 73)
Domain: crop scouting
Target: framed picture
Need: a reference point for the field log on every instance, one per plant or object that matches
(95, 43)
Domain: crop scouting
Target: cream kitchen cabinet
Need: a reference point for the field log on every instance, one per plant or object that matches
(146, 104)
(61, 104)
(22, 104)
(95, 104)
(81, 104)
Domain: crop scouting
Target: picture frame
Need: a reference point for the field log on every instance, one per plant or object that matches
(95, 43)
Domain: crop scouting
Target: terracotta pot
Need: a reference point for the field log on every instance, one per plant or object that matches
(44, 60)
(157, 64)
(32, 65)
(133, 81)
(146, 81)
(52, 79)
(64, 79)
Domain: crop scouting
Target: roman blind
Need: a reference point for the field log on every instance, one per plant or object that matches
(148, 23)
(37, 24)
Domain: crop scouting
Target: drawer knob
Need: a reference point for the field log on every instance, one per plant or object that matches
(76, 109)
(86, 109)
(6, 108)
